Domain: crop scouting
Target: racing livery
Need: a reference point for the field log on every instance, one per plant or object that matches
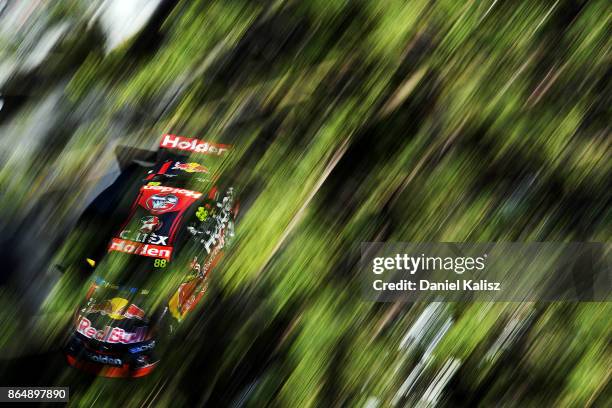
(151, 239)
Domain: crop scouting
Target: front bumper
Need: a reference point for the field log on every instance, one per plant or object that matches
(109, 363)
(104, 370)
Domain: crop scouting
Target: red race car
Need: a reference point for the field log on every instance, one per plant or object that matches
(151, 240)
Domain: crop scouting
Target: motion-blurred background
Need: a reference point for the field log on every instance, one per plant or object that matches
(420, 121)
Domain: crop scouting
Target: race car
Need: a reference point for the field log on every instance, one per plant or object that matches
(149, 242)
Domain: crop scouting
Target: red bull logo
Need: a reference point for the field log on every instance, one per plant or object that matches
(190, 167)
(111, 334)
(117, 308)
(134, 312)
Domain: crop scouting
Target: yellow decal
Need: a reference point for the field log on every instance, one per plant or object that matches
(117, 307)
(202, 213)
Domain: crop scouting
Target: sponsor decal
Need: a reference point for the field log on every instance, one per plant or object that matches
(138, 248)
(193, 300)
(144, 347)
(202, 270)
(117, 308)
(180, 302)
(161, 203)
(193, 145)
(202, 213)
(145, 238)
(149, 224)
(190, 167)
(214, 257)
(103, 359)
(191, 292)
(195, 265)
(110, 334)
(160, 263)
(134, 312)
(222, 224)
(173, 190)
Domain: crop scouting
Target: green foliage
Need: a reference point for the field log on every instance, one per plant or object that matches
(448, 109)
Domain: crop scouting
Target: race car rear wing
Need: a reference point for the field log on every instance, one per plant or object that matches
(186, 145)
